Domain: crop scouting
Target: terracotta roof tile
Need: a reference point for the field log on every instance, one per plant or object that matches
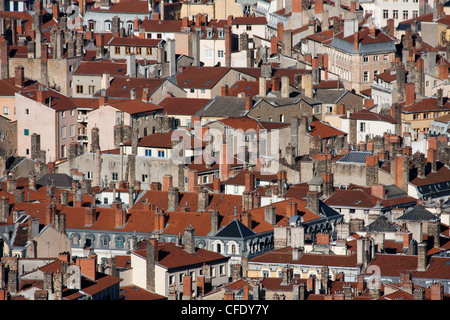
(134, 42)
(100, 67)
(137, 293)
(365, 114)
(323, 130)
(182, 106)
(171, 256)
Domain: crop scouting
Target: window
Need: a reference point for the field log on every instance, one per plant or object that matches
(415, 13)
(249, 28)
(191, 90)
(366, 59)
(144, 178)
(107, 25)
(375, 73)
(127, 50)
(91, 25)
(205, 179)
(221, 270)
(202, 91)
(161, 153)
(63, 132)
(159, 36)
(149, 51)
(117, 50)
(405, 14)
(375, 58)
(130, 26)
(91, 89)
(265, 273)
(395, 14)
(89, 175)
(119, 242)
(385, 14)
(352, 211)
(26, 132)
(148, 152)
(72, 130)
(105, 200)
(366, 76)
(114, 176)
(63, 151)
(220, 54)
(171, 280)
(6, 111)
(362, 127)
(27, 111)
(139, 51)
(208, 54)
(105, 241)
(79, 88)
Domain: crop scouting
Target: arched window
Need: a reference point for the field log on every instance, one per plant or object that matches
(119, 242)
(218, 248)
(233, 248)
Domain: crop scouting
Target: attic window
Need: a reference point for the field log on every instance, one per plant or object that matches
(357, 202)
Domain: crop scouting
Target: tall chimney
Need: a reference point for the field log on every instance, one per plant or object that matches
(189, 240)
(20, 78)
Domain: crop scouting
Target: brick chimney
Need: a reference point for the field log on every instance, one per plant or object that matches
(248, 103)
(88, 266)
(356, 40)
(50, 213)
(246, 219)
(19, 76)
(167, 182)
(120, 218)
(432, 159)
(328, 181)
(216, 185)
(270, 215)
(228, 43)
(225, 159)
(276, 83)
(318, 6)
(192, 180)
(378, 190)
(224, 91)
(90, 216)
(323, 238)
(410, 93)
(160, 220)
(407, 237)
(187, 287)
(249, 181)
(291, 208)
(437, 291)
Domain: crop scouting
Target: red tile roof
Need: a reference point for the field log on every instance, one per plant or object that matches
(249, 20)
(427, 104)
(125, 6)
(134, 42)
(182, 106)
(172, 256)
(323, 130)
(136, 293)
(100, 67)
(120, 87)
(246, 123)
(200, 77)
(365, 114)
(135, 106)
(161, 26)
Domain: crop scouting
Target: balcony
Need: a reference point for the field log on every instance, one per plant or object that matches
(82, 118)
